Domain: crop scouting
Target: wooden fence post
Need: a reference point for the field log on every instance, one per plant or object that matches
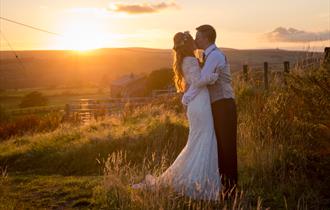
(266, 75)
(245, 72)
(286, 66)
(326, 60)
(67, 111)
(286, 70)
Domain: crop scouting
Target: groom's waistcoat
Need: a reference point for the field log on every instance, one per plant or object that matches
(222, 88)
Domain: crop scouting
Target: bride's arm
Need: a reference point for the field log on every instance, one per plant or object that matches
(197, 79)
(193, 76)
(189, 95)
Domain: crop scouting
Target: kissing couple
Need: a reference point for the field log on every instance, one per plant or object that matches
(208, 162)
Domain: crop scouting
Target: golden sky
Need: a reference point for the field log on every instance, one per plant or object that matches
(241, 24)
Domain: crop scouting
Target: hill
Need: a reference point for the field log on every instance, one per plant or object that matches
(98, 67)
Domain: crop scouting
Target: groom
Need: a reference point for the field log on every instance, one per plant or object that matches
(222, 103)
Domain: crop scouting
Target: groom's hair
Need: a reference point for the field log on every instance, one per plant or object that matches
(208, 31)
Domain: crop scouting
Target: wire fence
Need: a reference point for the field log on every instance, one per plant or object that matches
(266, 72)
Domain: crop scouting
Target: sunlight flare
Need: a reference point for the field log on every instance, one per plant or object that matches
(83, 36)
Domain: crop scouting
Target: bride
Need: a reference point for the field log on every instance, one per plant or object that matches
(195, 171)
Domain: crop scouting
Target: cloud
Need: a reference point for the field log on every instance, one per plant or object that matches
(141, 8)
(282, 34)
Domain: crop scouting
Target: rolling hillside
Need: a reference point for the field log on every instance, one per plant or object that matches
(99, 67)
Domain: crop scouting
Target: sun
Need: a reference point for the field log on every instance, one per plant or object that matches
(83, 37)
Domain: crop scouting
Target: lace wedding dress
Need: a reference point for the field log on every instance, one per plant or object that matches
(195, 171)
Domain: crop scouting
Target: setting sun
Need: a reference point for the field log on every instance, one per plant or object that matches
(82, 36)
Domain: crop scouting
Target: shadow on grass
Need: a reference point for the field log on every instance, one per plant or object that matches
(88, 157)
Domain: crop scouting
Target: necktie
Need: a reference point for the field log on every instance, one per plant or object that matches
(202, 62)
(204, 57)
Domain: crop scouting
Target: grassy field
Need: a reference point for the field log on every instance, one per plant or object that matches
(11, 98)
(283, 154)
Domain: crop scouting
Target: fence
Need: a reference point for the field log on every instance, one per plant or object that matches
(86, 109)
(36, 110)
(284, 68)
(267, 69)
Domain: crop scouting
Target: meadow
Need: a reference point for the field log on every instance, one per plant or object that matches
(283, 153)
(11, 98)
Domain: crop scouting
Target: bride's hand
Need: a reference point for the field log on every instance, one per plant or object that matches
(213, 78)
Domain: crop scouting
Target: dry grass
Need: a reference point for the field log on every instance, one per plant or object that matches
(283, 151)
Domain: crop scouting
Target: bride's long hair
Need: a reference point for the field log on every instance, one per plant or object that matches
(183, 46)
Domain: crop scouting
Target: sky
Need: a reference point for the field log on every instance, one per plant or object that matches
(240, 24)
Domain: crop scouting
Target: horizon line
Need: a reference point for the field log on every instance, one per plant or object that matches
(150, 48)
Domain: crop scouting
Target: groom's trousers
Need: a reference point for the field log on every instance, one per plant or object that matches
(225, 125)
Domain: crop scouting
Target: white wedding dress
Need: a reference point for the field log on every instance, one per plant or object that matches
(195, 171)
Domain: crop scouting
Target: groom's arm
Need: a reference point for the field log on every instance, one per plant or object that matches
(214, 61)
(207, 77)
(196, 85)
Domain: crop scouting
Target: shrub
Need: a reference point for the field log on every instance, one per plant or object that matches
(29, 123)
(34, 98)
(4, 115)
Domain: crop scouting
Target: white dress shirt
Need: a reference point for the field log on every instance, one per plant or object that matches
(215, 61)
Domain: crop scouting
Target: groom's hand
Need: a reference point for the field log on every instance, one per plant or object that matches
(213, 78)
(184, 100)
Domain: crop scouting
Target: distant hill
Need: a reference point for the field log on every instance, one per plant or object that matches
(98, 67)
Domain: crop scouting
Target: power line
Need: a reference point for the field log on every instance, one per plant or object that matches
(32, 27)
(14, 52)
(57, 34)
(28, 26)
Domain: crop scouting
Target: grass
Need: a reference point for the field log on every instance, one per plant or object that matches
(55, 192)
(11, 98)
(79, 146)
(283, 154)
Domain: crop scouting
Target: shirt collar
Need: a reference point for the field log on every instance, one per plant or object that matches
(209, 49)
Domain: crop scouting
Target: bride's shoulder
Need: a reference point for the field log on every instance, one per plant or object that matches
(190, 60)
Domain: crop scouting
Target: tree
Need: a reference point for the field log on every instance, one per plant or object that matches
(34, 98)
(159, 79)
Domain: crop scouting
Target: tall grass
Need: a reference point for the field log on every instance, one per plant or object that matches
(283, 149)
(11, 126)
